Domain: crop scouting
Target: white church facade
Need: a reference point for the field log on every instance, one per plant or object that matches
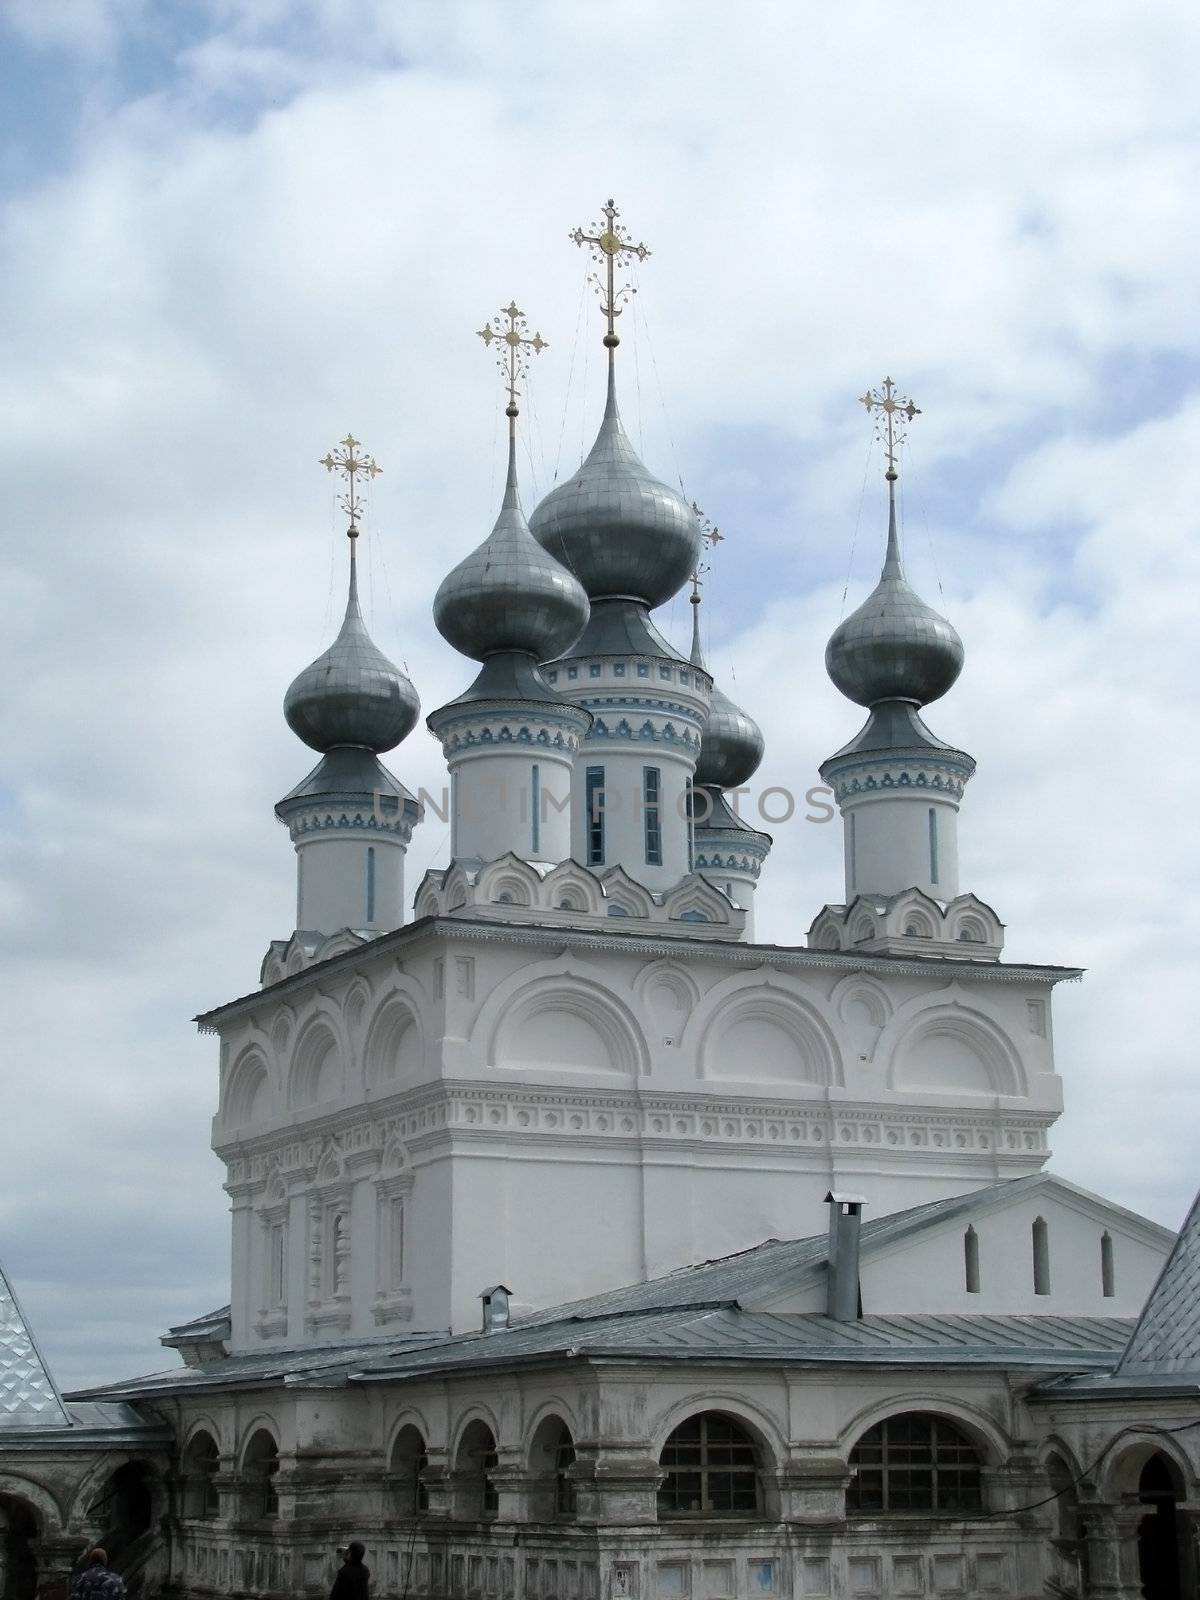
(585, 1248)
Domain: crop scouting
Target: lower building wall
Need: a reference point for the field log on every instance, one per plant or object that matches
(719, 1562)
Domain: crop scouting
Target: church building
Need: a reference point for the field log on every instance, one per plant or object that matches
(584, 1247)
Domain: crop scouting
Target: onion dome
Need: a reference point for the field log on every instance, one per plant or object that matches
(510, 593)
(894, 647)
(352, 695)
(615, 526)
(732, 746)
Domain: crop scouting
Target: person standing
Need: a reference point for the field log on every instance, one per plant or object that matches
(98, 1582)
(354, 1579)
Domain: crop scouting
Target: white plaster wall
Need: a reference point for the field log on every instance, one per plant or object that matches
(891, 843)
(493, 808)
(575, 1120)
(332, 878)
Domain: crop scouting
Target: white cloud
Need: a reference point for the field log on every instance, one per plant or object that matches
(298, 231)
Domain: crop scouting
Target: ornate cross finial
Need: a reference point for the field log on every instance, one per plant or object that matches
(510, 331)
(892, 412)
(710, 537)
(607, 245)
(347, 464)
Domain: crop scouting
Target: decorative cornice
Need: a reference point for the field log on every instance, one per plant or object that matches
(530, 935)
(437, 1115)
(895, 771)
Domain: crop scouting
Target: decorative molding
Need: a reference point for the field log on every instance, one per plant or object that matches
(442, 1114)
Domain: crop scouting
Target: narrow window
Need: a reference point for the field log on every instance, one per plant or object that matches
(395, 1243)
(850, 820)
(1041, 1256)
(650, 785)
(299, 888)
(1108, 1277)
(535, 797)
(594, 797)
(278, 1266)
(453, 815)
(933, 846)
(971, 1260)
(370, 883)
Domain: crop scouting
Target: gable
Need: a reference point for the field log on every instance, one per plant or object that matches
(1093, 1259)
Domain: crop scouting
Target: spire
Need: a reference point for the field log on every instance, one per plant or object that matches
(352, 695)
(894, 647)
(892, 412)
(710, 537)
(510, 595)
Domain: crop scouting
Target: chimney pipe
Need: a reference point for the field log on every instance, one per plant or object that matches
(843, 1293)
(495, 1308)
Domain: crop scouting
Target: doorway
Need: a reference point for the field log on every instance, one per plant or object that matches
(1159, 1567)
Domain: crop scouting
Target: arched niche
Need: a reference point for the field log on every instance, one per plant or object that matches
(395, 1048)
(956, 1052)
(767, 1035)
(567, 1025)
(317, 1072)
(248, 1093)
(668, 995)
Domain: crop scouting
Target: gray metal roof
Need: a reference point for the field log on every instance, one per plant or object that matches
(1167, 1337)
(29, 1397)
(706, 1312)
(700, 1333)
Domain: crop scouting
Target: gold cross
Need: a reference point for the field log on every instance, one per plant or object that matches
(514, 341)
(607, 245)
(348, 465)
(710, 537)
(895, 412)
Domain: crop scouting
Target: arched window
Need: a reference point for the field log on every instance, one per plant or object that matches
(971, 1260)
(200, 1465)
(711, 1466)
(408, 1463)
(259, 1466)
(914, 1462)
(475, 1469)
(551, 1457)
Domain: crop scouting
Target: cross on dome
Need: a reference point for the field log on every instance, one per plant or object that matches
(608, 245)
(350, 466)
(510, 331)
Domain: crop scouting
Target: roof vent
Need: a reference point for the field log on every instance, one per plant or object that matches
(495, 1308)
(844, 1292)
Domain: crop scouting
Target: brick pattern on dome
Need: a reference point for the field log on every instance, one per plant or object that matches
(1167, 1337)
(27, 1392)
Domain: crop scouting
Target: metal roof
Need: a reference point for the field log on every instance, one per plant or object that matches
(29, 1397)
(708, 1313)
(1167, 1337)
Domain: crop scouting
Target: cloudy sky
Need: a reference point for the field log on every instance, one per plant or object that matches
(234, 229)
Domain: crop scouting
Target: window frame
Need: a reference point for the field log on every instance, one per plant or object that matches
(652, 815)
(901, 1463)
(705, 1469)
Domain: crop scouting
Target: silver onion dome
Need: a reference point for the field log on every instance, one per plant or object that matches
(615, 526)
(732, 746)
(894, 647)
(510, 593)
(351, 695)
